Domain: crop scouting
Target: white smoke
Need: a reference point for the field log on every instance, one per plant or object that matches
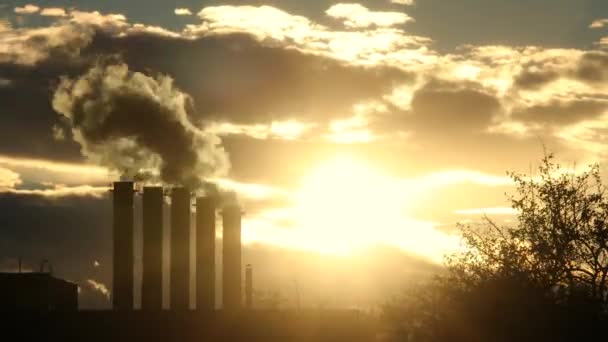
(99, 287)
(139, 125)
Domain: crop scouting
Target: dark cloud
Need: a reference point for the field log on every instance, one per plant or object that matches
(593, 67)
(230, 78)
(445, 109)
(27, 116)
(236, 78)
(533, 80)
(450, 107)
(562, 112)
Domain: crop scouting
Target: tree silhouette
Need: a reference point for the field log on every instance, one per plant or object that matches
(543, 279)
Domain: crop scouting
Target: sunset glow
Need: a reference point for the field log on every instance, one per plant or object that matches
(333, 132)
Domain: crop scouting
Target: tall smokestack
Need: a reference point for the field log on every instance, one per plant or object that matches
(152, 277)
(231, 216)
(180, 249)
(205, 253)
(122, 199)
(249, 286)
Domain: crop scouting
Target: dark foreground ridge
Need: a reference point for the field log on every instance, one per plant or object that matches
(167, 326)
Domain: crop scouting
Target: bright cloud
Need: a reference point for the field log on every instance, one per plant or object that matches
(17, 45)
(53, 12)
(27, 9)
(248, 190)
(59, 191)
(599, 23)
(368, 45)
(8, 179)
(286, 130)
(356, 15)
(182, 11)
(403, 2)
(52, 166)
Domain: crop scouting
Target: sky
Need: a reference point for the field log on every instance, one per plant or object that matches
(344, 129)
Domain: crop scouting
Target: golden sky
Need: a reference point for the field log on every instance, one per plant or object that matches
(340, 126)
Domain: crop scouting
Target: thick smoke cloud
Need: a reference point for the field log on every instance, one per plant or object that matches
(138, 125)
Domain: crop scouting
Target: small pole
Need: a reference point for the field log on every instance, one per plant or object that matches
(20, 262)
(297, 294)
(248, 287)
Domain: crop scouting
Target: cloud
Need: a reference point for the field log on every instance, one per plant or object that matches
(368, 46)
(531, 80)
(27, 9)
(288, 130)
(4, 82)
(562, 112)
(30, 46)
(599, 23)
(403, 2)
(441, 107)
(53, 12)
(249, 191)
(294, 90)
(113, 23)
(138, 125)
(593, 67)
(358, 16)
(58, 191)
(182, 11)
(310, 75)
(8, 179)
(487, 211)
(247, 83)
(5, 25)
(53, 166)
(11, 182)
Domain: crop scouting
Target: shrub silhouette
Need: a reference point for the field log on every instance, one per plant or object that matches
(545, 279)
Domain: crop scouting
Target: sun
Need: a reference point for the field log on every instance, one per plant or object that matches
(344, 205)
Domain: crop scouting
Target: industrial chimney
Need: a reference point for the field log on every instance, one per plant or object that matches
(205, 254)
(180, 249)
(231, 217)
(152, 277)
(122, 229)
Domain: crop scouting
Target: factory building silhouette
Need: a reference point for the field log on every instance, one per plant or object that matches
(37, 291)
(152, 231)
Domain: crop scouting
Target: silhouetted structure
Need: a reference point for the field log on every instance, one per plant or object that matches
(36, 292)
(205, 253)
(249, 286)
(180, 249)
(232, 298)
(152, 276)
(122, 292)
(152, 258)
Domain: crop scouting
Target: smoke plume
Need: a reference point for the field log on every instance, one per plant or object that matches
(139, 125)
